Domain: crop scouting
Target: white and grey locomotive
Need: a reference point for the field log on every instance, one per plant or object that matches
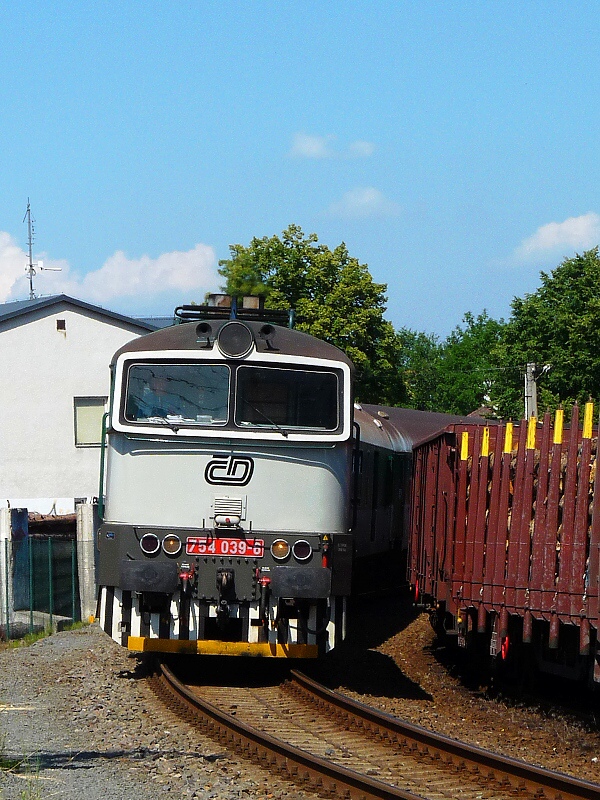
(240, 486)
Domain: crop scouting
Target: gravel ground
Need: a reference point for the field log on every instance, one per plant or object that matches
(398, 666)
(80, 721)
(78, 718)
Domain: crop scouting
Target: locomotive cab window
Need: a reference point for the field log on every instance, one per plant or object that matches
(190, 394)
(286, 398)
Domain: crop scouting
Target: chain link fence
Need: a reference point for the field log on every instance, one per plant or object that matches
(46, 577)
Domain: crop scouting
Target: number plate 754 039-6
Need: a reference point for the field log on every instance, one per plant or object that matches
(209, 546)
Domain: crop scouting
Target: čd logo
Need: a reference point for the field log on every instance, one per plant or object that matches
(229, 470)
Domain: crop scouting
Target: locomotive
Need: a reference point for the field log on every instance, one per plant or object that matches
(242, 489)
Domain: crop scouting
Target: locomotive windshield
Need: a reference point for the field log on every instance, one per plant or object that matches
(286, 398)
(233, 396)
(189, 393)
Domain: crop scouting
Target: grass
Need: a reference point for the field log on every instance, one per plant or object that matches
(31, 638)
(6, 763)
(32, 790)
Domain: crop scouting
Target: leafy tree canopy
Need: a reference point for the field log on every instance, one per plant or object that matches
(466, 368)
(453, 375)
(335, 299)
(419, 363)
(558, 325)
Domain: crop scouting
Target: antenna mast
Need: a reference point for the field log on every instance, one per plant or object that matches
(30, 269)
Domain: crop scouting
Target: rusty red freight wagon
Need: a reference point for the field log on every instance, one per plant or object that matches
(505, 537)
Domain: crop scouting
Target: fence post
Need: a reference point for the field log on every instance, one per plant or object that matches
(86, 542)
(73, 581)
(50, 583)
(7, 611)
(31, 586)
(7, 604)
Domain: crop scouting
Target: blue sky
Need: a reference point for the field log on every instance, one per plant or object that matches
(452, 146)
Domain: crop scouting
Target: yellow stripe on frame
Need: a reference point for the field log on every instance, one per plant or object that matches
(464, 446)
(485, 443)
(559, 419)
(531, 428)
(144, 644)
(588, 415)
(508, 437)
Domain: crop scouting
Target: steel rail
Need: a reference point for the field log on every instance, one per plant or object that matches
(318, 774)
(511, 777)
(515, 775)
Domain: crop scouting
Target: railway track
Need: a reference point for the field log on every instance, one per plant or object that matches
(338, 747)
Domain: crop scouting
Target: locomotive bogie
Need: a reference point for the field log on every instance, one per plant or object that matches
(172, 624)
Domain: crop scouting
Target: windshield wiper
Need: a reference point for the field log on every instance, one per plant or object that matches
(269, 420)
(164, 421)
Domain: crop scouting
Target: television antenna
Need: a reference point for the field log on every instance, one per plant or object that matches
(30, 268)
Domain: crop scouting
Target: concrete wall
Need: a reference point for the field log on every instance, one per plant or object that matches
(13, 560)
(87, 525)
(42, 370)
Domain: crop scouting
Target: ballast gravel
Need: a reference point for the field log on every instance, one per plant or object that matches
(77, 719)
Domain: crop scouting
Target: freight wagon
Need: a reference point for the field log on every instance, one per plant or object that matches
(505, 540)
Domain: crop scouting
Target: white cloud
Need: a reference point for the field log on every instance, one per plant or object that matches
(306, 146)
(13, 261)
(364, 202)
(575, 233)
(184, 271)
(361, 149)
(119, 277)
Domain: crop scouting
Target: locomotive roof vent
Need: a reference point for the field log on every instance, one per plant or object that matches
(267, 334)
(235, 340)
(203, 334)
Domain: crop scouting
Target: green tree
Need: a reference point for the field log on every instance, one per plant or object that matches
(558, 325)
(335, 299)
(419, 363)
(466, 367)
(454, 375)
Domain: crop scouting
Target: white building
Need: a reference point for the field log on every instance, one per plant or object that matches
(54, 357)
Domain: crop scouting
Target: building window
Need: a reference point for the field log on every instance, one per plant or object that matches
(88, 420)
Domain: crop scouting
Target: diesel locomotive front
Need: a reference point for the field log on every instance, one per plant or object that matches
(226, 492)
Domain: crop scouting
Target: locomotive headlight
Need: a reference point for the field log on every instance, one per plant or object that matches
(280, 549)
(302, 550)
(150, 544)
(171, 544)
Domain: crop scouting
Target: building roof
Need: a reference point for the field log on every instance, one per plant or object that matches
(158, 322)
(20, 308)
